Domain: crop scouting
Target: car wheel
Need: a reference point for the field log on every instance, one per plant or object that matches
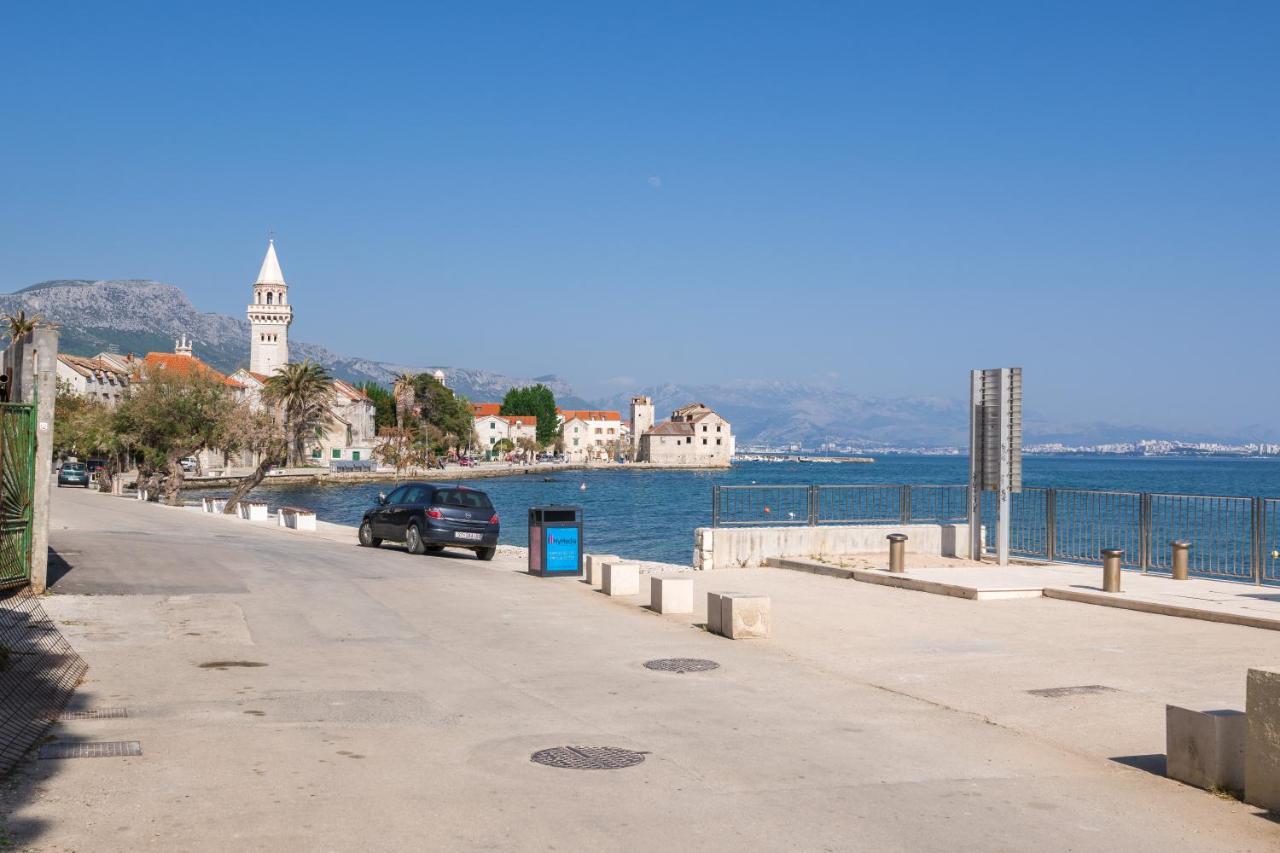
(367, 539)
(413, 540)
(485, 554)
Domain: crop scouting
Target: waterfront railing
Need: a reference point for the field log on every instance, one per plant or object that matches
(1232, 537)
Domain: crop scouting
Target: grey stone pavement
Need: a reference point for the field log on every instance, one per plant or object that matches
(396, 701)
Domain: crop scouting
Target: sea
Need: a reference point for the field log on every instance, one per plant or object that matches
(651, 515)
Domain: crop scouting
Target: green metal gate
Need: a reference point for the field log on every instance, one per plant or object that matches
(17, 491)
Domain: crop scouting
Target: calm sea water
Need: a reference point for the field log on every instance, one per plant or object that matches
(651, 515)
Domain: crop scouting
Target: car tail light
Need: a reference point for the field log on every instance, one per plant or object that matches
(434, 513)
(494, 520)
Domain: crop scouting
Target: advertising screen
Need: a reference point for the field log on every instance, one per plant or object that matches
(562, 549)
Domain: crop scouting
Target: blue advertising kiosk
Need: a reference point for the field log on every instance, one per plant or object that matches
(555, 541)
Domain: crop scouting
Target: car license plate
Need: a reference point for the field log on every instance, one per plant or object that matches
(472, 537)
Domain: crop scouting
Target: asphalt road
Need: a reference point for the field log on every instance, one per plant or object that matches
(296, 692)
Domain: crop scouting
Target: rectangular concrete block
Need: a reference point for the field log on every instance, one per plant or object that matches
(620, 579)
(252, 510)
(671, 595)
(744, 617)
(297, 519)
(713, 610)
(1262, 742)
(593, 566)
(1205, 748)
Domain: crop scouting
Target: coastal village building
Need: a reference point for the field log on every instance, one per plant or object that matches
(695, 436)
(96, 378)
(270, 316)
(492, 427)
(590, 435)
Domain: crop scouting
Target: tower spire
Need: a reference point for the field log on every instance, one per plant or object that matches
(270, 273)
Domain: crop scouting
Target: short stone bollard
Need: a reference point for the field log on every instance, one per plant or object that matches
(252, 510)
(620, 579)
(593, 564)
(744, 616)
(1205, 748)
(671, 595)
(296, 519)
(1111, 558)
(214, 505)
(1262, 741)
(714, 611)
(1180, 555)
(897, 552)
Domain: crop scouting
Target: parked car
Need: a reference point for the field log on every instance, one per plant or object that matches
(73, 474)
(95, 465)
(189, 464)
(428, 517)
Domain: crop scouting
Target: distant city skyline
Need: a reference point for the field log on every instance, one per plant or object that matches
(875, 199)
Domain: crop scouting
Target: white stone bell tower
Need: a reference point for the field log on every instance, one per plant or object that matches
(269, 316)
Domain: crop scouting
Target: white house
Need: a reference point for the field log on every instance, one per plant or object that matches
(492, 427)
(695, 436)
(96, 378)
(590, 434)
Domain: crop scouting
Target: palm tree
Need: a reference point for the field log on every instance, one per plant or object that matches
(301, 394)
(403, 392)
(20, 325)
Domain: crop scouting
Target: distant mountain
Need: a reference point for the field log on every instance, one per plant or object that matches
(142, 316)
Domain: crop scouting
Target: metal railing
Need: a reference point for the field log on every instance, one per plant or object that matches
(1232, 537)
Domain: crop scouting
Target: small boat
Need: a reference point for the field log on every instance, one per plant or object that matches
(582, 488)
(548, 479)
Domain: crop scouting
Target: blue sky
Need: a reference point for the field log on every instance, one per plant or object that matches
(874, 196)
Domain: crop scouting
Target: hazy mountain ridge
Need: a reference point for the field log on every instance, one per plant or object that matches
(141, 315)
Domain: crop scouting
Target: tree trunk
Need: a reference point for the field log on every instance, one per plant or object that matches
(248, 484)
(173, 482)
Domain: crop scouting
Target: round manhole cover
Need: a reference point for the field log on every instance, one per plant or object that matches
(681, 665)
(587, 757)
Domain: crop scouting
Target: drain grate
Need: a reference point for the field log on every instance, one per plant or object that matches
(681, 665)
(587, 757)
(94, 714)
(99, 749)
(1078, 690)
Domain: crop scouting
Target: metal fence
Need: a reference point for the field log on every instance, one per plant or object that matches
(1236, 538)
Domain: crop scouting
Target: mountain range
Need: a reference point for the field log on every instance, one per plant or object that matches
(141, 316)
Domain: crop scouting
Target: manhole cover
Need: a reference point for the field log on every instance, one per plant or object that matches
(94, 714)
(681, 665)
(1079, 690)
(587, 757)
(99, 749)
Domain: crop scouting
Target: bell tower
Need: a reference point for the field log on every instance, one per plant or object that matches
(269, 317)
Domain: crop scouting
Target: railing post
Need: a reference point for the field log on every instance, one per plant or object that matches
(814, 497)
(715, 505)
(1144, 536)
(1258, 535)
(1050, 523)
(904, 504)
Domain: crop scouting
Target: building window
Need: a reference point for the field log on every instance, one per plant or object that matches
(575, 442)
(355, 456)
(337, 454)
(704, 427)
(492, 425)
(315, 453)
(268, 297)
(717, 441)
(599, 431)
(717, 427)
(704, 441)
(689, 440)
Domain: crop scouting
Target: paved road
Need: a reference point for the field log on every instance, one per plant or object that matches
(370, 700)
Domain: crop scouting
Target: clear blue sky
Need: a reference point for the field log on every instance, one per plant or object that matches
(878, 196)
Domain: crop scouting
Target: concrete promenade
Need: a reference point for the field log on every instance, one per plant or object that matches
(372, 700)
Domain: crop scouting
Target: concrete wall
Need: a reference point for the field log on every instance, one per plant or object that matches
(739, 547)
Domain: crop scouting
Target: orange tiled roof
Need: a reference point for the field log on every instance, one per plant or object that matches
(589, 415)
(485, 409)
(179, 363)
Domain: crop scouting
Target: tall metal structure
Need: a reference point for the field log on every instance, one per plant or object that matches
(995, 451)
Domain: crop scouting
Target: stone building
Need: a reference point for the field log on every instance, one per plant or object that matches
(96, 378)
(590, 435)
(269, 317)
(695, 436)
(492, 427)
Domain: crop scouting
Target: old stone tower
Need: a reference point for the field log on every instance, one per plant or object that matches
(641, 419)
(269, 316)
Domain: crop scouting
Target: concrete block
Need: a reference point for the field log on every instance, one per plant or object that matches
(214, 505)
(1262, 742)
(620, 579)
(296, 519)
(744, 616)
(1205, 748)
(252, 510)
(671, 595)
(593, 566)
(715, 610)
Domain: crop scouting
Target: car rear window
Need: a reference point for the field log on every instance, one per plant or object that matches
(73, 466)
(464, 497)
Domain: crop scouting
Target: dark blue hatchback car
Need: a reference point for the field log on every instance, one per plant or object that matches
(428, 517)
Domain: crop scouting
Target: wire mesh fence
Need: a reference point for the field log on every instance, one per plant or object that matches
(1231, 537)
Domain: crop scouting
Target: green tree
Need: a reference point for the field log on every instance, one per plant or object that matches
(257, 431)
(445, 413)
(302, 393)
(538, 401)
(168, 416)
(384, 404)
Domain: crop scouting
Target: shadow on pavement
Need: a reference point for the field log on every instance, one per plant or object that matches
(1154, 764)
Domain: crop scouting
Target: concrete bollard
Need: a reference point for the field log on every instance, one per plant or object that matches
(1180, 550)
(671, 595)
(594, 565)
(1205, 748)
(620, 579)
(1111, 558)
(1262, 739)
(897, 552)
(744, 617)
